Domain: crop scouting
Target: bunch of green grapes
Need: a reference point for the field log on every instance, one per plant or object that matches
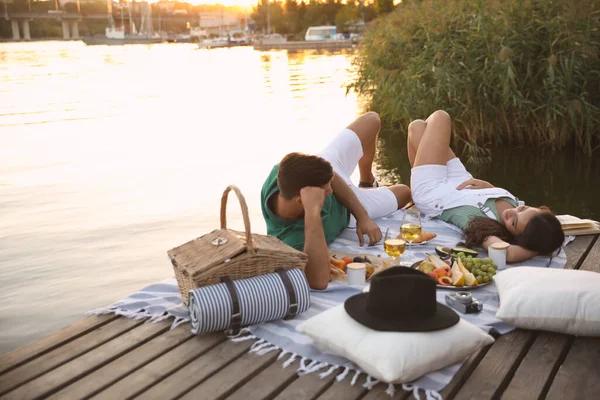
(483, 268)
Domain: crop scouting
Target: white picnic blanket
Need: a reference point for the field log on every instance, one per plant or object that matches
(162, 300)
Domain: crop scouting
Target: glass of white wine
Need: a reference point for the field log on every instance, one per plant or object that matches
(393, 246)
(410, 228)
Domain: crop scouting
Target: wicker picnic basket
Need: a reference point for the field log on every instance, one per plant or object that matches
(225, 252)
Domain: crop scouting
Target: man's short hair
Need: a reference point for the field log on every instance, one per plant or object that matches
(298, 170)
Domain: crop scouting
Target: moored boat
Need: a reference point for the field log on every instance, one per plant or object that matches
(116, 36)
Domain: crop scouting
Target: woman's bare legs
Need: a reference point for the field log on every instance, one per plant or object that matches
(429, 140)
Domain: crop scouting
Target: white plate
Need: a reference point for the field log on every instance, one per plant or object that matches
(423, 242)
(452, 287)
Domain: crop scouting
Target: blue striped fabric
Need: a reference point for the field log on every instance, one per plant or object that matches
(262, 298)
(162, 300)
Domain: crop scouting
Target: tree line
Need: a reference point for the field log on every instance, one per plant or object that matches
(292, 18)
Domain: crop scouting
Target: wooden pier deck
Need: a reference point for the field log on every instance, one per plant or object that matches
(110, 357)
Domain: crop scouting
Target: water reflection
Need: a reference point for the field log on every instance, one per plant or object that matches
(112, 155)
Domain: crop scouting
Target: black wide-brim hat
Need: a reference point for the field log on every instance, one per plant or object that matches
(401, 299)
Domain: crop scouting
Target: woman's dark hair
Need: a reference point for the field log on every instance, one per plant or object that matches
(542, 234)
(297, 170)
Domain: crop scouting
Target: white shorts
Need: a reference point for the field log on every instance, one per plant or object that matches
(343, 153)
(431, 184)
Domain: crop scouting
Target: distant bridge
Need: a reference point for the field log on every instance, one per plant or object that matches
(70, 20)
(79, 16)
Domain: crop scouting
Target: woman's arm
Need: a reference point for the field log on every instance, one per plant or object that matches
(475, 184)
(364, 223)
(514, 253)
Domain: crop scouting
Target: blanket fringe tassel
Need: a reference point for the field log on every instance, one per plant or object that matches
(391, 390)
(290, 360)
(429, 394)
(139, 314)
(261, 347)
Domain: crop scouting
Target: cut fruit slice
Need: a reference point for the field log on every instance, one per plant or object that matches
(466, 251)
(444, 281)
(443, 251)
(457, 276)
(426, 267)
(443, 271)
(435, 260)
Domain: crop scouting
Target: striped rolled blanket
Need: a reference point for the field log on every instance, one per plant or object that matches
(261, 299)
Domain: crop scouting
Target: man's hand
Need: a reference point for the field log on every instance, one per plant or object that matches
(474, 184)
(312, 198)
(367, 226)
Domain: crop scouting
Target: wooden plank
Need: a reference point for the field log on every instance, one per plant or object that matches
(592, 261)
(62, 376)
(228, 379)
(579, 376)
(537, 370)
(189, 375)
(496, 369)
(94, 382)
(308, 386)
(65, 353)
(344, 390)
(378, 393)
(577, 251)
(161, 367)
(268, 383)
(48, 343)
(463, 373)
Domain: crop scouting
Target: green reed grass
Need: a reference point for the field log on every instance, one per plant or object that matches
(509, 72)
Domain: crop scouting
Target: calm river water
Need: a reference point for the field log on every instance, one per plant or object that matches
(110, 156)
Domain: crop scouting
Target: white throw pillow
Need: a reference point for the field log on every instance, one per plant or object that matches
(557, 300)
(393, 357)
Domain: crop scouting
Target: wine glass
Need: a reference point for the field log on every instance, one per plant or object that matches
(410, 228)
(393, 246)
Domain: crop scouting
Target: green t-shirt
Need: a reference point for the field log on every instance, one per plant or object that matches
(460, 216)
(334, 215)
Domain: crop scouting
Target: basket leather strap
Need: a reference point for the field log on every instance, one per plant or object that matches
(289, 288)
(236, 317)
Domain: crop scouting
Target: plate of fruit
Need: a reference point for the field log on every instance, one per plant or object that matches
(458, 270)
(338, 260)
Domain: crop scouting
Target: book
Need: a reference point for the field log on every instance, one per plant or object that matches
(574, 226)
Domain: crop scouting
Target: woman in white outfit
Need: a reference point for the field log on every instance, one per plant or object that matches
(443, 188)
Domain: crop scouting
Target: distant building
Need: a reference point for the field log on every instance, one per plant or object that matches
(209, 20)
(62, 3)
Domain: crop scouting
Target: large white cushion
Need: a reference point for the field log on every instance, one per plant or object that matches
(557, 300)
(394, 357)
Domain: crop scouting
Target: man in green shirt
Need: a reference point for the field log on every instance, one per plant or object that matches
(307, 200)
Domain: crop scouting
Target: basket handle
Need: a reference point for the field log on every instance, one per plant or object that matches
(242, 201)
